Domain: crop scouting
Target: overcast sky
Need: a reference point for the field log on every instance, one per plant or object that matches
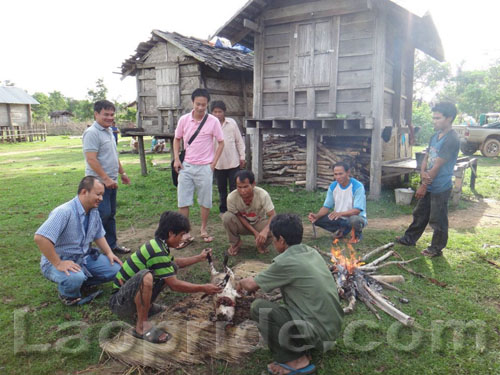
(67, 45)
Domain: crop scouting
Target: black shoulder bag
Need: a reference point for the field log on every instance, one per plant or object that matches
(182, 154)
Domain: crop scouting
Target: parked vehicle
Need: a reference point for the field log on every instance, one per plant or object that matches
(484, 138)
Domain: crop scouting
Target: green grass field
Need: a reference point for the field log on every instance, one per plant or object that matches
(41, 336)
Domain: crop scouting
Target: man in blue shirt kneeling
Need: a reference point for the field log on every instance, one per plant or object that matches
(64, 240)
(346, 196)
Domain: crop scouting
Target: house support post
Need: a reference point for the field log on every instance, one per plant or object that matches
(257, 151)
(311, 159)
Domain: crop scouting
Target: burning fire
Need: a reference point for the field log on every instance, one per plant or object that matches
(350, 261)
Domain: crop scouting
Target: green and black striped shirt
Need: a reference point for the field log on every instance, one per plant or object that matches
(153, 255)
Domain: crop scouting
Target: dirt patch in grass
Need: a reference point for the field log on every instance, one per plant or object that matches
(485, 213)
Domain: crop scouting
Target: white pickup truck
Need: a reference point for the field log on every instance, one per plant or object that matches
(484, 138)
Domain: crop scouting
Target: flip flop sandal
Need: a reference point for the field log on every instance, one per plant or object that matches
(89, 298)
(430, 254)
(206, 237)
(69, 301)
(152, 335)
(309, 369)
(403, 241)
(185, 243)
(121, 250)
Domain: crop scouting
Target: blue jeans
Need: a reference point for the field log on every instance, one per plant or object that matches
(107, 210)
(345, 225)
(69, 286)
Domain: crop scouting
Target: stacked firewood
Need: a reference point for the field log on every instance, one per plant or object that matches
(284, 160)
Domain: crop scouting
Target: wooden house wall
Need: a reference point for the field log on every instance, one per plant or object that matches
(315, 58)
(167, 78)
(398, 90)
(19, 114)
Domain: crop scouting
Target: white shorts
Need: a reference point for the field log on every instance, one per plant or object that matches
(195, 177)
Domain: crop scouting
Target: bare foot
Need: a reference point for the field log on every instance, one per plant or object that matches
(234, 249)
(206, 237)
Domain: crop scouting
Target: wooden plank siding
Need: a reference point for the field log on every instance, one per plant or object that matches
(355, 61)
(276, 71)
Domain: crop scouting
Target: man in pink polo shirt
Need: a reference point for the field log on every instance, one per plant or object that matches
(196, 171)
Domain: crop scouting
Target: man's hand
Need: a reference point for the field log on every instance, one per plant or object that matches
(68, 265)
(204, 253)
(113, 258)
(109, 183)
(312, 217)
(212, 166)
(426, 178)
(177, 165)
(335, 215)
(421, 191)
(243, 163)
(212, 289)
(125, 179)
(260, 238)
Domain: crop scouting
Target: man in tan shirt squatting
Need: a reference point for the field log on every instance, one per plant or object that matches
(249, 212)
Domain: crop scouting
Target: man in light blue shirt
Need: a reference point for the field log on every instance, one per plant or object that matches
(346, 196)
(64, 240)
(101, 161)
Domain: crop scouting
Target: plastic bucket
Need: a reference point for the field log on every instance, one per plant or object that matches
(404, 196)
(419, 156)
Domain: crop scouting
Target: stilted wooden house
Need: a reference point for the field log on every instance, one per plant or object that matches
(61, 117)
(15, 114)
(169, 67)
(338, 73)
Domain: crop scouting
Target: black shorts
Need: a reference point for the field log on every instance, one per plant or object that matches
(122, 302)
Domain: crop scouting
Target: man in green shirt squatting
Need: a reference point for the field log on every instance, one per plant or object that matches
(311, 316)
(147, 271)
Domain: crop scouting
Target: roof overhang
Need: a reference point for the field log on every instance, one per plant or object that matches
(424, 34)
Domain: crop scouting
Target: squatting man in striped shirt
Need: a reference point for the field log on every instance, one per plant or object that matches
(64, 240)
(147, 271)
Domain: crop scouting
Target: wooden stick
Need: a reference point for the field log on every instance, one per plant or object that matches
(389, 278)
(376, 251)
(352, 302)
(324, 253)
(363, 295)
(378, 260)
(383, 305)
(385, 284)
(388, 264)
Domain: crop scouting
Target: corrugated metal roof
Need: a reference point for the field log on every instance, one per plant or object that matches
(15, 95)
(215, 57)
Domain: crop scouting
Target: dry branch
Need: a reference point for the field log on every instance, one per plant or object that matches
(372, 269)
(378, 260)
(376, 251)
(385, 306)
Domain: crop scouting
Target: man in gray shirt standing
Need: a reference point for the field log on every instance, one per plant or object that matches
(101, 161)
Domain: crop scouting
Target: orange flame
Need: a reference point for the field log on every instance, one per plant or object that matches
(350, 261)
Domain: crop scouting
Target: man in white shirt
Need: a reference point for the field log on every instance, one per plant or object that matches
(233, 154)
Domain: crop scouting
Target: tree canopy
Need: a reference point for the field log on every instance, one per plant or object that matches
(81, 109)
